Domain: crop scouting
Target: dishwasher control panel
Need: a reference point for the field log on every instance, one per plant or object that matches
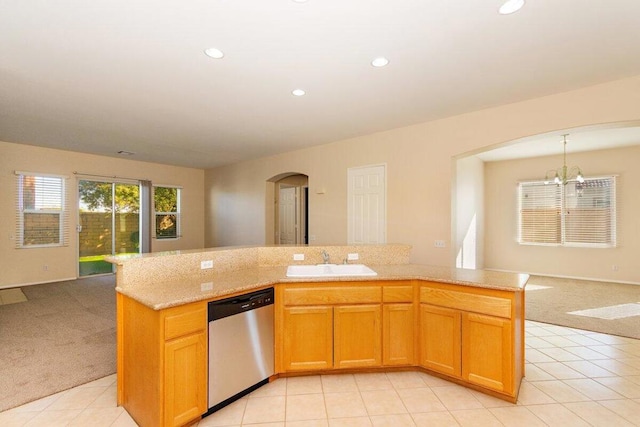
(234, 305)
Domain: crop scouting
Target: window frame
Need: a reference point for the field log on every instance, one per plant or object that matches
(21, 212)
(177, 213)
(564, 210)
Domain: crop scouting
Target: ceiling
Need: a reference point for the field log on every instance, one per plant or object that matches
(577, 141)
(110, 75)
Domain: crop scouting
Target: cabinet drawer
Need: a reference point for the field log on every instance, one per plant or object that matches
(397, 293)
(184, 322)
(484, 304)
(332, 295)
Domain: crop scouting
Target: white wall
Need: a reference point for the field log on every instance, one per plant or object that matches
(504, 253)
(25, 266)
(419, 169)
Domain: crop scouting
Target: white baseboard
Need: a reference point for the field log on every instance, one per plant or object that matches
(20, 285)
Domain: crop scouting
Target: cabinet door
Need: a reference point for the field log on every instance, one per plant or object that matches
(357, 336)
(440, 338)
(397, 334)
(487, 351)
(308, 338)
(185, 376)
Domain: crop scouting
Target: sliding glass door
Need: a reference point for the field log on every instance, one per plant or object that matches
(109, 223)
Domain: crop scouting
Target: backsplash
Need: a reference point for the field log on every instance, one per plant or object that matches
(172, 266)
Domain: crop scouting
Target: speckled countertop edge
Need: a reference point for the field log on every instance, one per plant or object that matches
(174, 293)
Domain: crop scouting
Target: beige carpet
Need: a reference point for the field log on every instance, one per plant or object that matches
(610, 308)
(62, 336)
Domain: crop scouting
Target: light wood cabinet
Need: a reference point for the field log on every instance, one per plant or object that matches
(398, 325)
(473, 334)
(355, 325)
(357, 339)
(162, 362)
(487, 352)
(440, 340)
(184, 367)
(308, 338)
(329, 326)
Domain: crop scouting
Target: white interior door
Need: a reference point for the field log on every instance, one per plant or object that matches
(287, 215)
(367, 205)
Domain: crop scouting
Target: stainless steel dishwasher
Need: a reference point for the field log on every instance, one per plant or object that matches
(241, 346)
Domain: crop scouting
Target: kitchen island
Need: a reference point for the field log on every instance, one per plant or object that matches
(464, 325)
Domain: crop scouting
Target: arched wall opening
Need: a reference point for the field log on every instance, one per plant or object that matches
(484, 202)
(287, 209)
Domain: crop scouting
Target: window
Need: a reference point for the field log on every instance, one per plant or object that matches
(166, 202)
(41, 211)
(575, 214)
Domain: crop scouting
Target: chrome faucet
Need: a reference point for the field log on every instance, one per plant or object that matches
(325, 257)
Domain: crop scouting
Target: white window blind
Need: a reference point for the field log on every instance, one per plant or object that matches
(590, 212)
(41, 214)
(575, 214)
(540, 213)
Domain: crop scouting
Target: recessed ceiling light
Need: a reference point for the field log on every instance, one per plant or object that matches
(511, 6)
(298, 92)
(214, 53)
(300, 1)
(380, 62)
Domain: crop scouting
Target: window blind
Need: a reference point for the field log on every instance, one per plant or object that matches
(41, 214)
(590, 212)
(540, 213)
(578, 214)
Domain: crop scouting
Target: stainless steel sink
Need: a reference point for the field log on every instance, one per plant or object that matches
(329, 270)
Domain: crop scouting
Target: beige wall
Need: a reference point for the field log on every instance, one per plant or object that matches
(504, 253)
(420, 168)
(25, 266)
(469, 211)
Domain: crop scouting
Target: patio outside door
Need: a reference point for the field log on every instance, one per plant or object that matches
(109, 223)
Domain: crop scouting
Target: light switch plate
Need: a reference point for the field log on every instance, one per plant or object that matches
(353, 257)
(206, 264)
(440, 244)
(298, 257)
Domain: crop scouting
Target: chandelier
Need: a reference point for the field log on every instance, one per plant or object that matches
(564, 174)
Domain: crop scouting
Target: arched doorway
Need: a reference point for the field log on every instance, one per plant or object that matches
(288, 218)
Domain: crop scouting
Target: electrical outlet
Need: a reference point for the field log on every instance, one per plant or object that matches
(298, 257)
(206, 264)
(614, 267)
(45, 267)
(353, 257)
(206, 286)
(439, 244)
(312, 238)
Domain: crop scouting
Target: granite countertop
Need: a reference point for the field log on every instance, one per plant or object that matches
(165, 294)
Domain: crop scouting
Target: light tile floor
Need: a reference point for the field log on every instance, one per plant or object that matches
(574, 378)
